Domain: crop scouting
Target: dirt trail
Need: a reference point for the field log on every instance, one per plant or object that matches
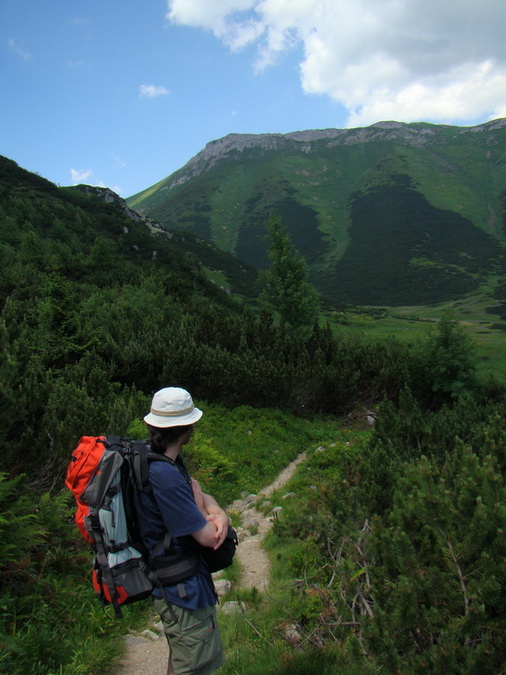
(252, 556)
(148, 653)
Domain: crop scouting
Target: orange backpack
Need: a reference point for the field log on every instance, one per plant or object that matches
(99, 471)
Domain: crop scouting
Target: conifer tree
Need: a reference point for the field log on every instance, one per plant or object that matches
(285, 288)
(451, 360)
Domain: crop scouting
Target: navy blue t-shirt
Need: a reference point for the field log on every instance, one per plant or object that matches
(178, 514)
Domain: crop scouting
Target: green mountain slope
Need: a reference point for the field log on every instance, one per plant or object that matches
(391, 214)
(95, 306)
(222, 268)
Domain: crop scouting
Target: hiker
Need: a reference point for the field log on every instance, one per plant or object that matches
(187, 609)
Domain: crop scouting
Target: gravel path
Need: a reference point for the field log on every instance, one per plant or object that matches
(148, 653)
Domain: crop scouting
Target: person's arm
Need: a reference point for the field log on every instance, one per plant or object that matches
(207, 535)
(213, 512)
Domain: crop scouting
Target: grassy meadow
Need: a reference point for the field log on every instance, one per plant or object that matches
(412, 323)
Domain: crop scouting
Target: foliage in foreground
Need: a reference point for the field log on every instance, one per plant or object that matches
(399, 543)
(50, 618)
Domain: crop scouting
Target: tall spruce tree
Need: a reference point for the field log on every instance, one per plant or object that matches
(284, 285)
(451, 359)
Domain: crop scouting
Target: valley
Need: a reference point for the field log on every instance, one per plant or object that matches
(409, 324)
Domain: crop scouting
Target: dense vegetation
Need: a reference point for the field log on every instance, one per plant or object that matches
(97, 312)
(403, 556)
(403, 242)
(51, 621)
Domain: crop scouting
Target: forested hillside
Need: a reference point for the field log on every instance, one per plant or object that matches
(98, 310)
(393, 214)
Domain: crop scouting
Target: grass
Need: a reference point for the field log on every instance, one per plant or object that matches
(255, 444)
(413, 323)
(216, 277)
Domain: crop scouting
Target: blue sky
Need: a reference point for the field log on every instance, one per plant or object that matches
(121, 94)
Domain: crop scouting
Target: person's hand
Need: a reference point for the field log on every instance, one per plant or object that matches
(221, 521)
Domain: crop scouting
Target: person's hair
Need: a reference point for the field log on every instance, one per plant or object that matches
(160, 438)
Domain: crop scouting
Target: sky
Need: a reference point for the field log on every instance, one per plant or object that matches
(122, 94)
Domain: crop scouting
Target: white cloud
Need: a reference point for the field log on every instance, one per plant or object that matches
(118, 162)
(83, 176)
(382, 59)
(212, 16)
(471, 92)
(87, 177)
(19, 50)
(151, 91)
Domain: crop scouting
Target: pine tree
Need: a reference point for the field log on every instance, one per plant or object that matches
(451, 361)
(285, 288)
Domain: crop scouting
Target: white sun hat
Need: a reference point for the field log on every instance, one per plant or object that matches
(172, 407)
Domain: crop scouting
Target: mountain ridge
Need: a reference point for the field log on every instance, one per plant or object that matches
(233, 275)
(418, 133)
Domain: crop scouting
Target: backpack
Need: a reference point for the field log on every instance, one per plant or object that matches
(102, 475)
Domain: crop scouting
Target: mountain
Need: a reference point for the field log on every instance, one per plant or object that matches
(98, 305)
(392, 214)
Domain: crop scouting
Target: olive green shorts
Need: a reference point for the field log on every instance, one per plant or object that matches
(194, 639)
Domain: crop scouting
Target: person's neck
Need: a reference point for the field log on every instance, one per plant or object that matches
(173, 451)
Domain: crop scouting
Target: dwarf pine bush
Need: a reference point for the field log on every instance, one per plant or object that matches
(404, 540)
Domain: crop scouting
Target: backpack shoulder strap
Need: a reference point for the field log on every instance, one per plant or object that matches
(139, 466)
(140, 457)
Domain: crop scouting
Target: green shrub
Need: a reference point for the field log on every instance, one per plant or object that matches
(50, 616)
